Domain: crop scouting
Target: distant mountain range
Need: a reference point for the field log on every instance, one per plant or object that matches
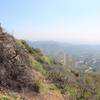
(88, 54)
(51, 47)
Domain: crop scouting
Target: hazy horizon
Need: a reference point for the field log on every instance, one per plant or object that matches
(70, 21)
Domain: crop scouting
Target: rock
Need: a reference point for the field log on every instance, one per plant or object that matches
(15, 66)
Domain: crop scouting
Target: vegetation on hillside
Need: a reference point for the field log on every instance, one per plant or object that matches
(50, 76)
(80, 86)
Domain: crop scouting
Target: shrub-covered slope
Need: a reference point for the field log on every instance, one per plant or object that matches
(72, 84)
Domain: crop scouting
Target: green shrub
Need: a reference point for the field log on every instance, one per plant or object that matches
(37, 66)
(46, 59)
(9, 95)
(4, 98)
(54, 76)
(19, 42)
(41, 87)
(37, 51)
(71, 91)
(87, 94)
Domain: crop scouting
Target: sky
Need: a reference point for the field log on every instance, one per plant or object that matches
(72, 21)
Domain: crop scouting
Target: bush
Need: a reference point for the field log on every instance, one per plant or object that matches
(8, 95)
(19, 42)
(41, 87)
(69, 90)
(37, 66)
(45, 59)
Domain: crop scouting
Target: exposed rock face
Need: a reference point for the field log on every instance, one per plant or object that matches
(15, 67)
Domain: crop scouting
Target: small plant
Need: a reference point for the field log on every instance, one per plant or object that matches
(4, 98)
(41, 87)
(46, 59)
(37, 66)
(87, 94)
(19, 42)
(8, 95)
(71, 91)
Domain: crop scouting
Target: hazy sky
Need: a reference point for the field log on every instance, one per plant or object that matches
(74, 21)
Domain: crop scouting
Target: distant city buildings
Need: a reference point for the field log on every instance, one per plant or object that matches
(65, 59)
(88, 63)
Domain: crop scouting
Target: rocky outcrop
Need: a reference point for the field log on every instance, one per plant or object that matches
(15, 67)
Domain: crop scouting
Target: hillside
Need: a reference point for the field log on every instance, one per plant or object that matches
(28, 74)
(21, 72)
